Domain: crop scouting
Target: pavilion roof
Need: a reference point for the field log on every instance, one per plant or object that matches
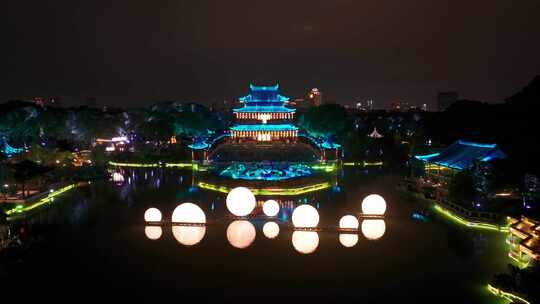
(462, 154)
(264, 94)
(264, 109)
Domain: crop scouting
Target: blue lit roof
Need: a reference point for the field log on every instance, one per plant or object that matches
(200, 145)
(264, 109)
(264, 94)
(264, 127)
(329, 145)
(461, 155)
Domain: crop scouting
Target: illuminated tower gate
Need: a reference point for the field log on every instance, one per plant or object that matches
(264, 116)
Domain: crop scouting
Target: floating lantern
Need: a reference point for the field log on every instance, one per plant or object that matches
(348, 240)
(305, 216)
(373, 229)
(374, 204)
(241, 201)
(271, 208)
(271, 230)
(189, 235)
(305, 242)
(241, 234)
(349, 222)
(153, 232)
(117, 178)
(188, 213)
(152, 215)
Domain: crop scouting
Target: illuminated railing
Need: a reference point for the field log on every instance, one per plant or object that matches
(155, 165)
(465, 222)
(47, 199)
(506, 295)
(270, 191)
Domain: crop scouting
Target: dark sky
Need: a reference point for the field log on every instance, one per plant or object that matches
(131, 52)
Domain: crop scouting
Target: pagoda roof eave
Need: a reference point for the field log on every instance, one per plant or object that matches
(265, 127)
(264, 109)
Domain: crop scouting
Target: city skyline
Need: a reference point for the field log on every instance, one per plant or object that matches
(134, 54)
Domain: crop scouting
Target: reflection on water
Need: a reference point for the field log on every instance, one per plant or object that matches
(373, 229)
(305, 242)
(153, 232)
(271, 230)
(348, 239)
(241, 234)
(188, 235)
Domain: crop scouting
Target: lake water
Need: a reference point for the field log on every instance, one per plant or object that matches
(92, 245)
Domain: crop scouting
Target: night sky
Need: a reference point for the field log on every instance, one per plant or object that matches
(133, 53)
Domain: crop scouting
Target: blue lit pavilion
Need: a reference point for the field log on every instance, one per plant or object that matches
(264, 116)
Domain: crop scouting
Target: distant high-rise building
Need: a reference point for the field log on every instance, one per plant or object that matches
(315, 97)
(400, 106)
(365, 105)
(446, 99)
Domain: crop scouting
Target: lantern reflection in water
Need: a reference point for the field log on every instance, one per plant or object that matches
(241, 234)
(188, 235)
(348, 240)
(271, 230)
(153, 232)
(305, 242)
(373, 229)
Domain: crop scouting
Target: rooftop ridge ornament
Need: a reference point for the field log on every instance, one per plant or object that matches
(375, 134)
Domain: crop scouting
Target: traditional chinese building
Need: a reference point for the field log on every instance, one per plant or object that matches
(264, 116)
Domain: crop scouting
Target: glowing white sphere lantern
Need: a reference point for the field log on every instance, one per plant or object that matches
(189, 235)
(348, 240)
(152, 215)
(271, 208)
(349, 222)
(305, 242)
(241, 234)
(153, 232)
(373, 229)
(188, 213)
(305, 216)
(374, 204)
(241, 201)
(271, 230)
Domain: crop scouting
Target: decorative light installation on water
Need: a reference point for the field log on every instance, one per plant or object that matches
(349, 222)
(271, 230)
(271, 208)
(305, 216)
(348, 239)
(188, 213)
(305, 242)
(152, 215)
(189, 235)
(373, 229)
(153, 232)
(241, 201)
(117, 178)
(241, 234)
(374, 204)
